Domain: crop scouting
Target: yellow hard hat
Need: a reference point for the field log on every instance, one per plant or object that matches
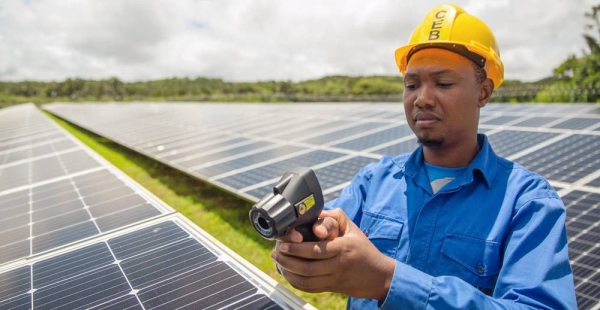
(448, 26)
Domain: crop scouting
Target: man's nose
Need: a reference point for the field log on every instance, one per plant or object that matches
(425, 98)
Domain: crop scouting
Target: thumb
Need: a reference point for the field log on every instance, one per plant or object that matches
(326, 228)
(331, 224)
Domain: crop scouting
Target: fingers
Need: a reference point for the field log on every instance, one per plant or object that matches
(326, 228)
(314, 284)
(303, 267)
(311, 250)
(293, 236)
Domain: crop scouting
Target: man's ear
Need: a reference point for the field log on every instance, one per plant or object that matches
(485, 92)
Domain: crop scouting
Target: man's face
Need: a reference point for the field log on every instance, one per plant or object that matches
(441, 98)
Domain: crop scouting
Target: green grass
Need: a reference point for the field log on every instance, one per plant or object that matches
(219, 213)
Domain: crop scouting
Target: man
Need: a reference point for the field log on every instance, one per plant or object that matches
(452, 225)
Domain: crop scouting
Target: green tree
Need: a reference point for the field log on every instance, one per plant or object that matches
(579, 75)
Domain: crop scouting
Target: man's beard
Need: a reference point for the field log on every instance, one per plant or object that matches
(431, 142)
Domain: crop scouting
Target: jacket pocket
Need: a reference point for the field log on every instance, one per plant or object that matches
(474, 260)
(384, 232)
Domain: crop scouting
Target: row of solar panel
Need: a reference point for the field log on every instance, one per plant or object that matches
(245, 157)
(77, 233)
(245, 148)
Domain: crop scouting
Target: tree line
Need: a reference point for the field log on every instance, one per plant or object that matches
(200, 89)
(577, 79)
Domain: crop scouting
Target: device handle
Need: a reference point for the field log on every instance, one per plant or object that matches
(307, 232)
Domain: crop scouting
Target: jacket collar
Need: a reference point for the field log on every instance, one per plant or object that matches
(483, 165)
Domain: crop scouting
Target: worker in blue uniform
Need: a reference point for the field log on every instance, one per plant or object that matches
(451, 225)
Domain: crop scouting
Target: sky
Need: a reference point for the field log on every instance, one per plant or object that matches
(254, 40)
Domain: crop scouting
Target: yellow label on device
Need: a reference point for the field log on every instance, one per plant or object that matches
(305, 204)
(309, 202)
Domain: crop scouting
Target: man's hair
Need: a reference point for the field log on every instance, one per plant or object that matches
(480, 74)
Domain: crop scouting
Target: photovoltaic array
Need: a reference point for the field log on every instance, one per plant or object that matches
(76, 232)
(245, 148)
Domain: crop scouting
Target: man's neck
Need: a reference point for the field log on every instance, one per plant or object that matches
(452, 156)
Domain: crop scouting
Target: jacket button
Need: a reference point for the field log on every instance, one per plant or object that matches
(479, 269)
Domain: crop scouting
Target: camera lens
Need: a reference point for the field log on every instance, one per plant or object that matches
(263, 223)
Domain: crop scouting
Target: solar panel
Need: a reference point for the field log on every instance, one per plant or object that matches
(577, 123)
(45, 194)
(537, 121)
(174, 152)
(567, 160)
(215, 153)
(594, 183)
(509, 142)
(375, 139)
(273, 171)
(400, 147)
(499, 120)
(78, 233)
(560, 142)
(583, 229)
(164, 264)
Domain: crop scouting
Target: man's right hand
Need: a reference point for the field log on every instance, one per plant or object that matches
(345, 261)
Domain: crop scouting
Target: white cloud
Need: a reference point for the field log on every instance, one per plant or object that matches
(260, 40)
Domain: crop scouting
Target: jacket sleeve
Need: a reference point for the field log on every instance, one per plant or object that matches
(535, 274)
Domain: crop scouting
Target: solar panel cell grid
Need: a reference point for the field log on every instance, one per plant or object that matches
(342, 133)
(314, 128)
(594, 183)
(14, 286)
(48, 211)
(567, 160)
(397, 148)
(577, 123)
(341, 172)
(160, 266)
(174, 152)
(500, 120)
(163, 143)
(216, 155)
(536, 121)
(249, 160)
(276, 170)
(15, 247)
(377, 138)
(26, 133)
(583, 212)
(260, 192)
(332, 195)
(7, 146)
(508, 142)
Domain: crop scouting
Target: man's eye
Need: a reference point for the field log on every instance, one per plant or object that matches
(410, 86)
(445, 84)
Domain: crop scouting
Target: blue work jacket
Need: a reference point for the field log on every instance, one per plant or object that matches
(492, 238)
